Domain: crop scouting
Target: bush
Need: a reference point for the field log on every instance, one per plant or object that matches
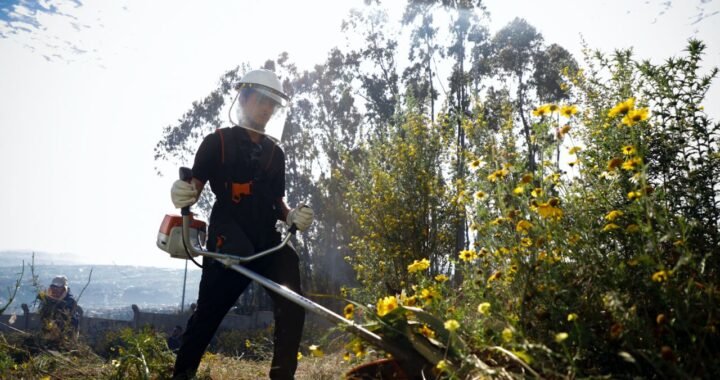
(599, 260)
(142, 354)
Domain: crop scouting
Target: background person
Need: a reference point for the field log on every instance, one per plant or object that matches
(59, 308)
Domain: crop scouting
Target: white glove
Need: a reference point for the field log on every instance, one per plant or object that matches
(302, 217)
(183, 194)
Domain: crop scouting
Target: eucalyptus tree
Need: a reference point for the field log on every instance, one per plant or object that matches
(518, 54)
(377, 71)
(465, 31)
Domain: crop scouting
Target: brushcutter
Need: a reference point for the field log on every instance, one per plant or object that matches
(183, 237)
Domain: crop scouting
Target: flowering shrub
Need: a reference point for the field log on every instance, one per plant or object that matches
(601, 259)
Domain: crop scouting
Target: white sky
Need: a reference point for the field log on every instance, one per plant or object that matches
(77, 131)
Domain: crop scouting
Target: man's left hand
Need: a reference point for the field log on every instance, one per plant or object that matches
(302, 217)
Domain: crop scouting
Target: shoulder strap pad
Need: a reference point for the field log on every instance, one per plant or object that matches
(227, 146)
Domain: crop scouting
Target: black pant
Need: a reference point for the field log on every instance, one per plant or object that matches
(219, 289)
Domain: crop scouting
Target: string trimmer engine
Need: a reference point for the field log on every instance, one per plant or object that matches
(170, 237)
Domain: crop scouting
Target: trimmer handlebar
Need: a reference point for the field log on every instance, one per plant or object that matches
(195, 248)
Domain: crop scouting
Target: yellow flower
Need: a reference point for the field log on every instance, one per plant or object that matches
(357, 348)
(418, 266)
(564, 130)
(429, 294)
(574, 150)
(315, 351)
(442, 365)
(480, 195)
(635, 116)
(408, 301)
(541, 111)
(568, 111)
(660, 276)
(427, 332)
(536, 192)
(571, 317)
(349, 310)
(629, 150)
(474, 164)
(634, 195)
(612, 215)
(622, 108)
(519, 190)
(523, 226)
(346, 357)
(527, 178)
(632, 163)
(497, 221)
(483, 308)
(468, 255)
(247, 343)
(548, 211)
(452, 325)
(526, 242)
(299, 355)
(495, 276)
(560, 337)
(610, 227)
(441, 278)
(386, 305)
(498, 174)
(554, 178)
(507, 335)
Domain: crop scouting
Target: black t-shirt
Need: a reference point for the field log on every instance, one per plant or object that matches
(262, 164)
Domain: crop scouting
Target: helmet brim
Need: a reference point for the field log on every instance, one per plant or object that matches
(278, 97)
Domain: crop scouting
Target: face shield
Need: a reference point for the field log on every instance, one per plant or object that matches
(260, 109)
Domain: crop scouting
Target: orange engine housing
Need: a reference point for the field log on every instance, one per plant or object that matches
(170, 236)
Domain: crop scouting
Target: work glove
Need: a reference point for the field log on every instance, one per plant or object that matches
(301, 217)
(183, 194)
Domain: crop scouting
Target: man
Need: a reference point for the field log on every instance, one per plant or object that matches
(59, 310)
(246, 170)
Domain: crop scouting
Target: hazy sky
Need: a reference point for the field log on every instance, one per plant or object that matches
(86, 88)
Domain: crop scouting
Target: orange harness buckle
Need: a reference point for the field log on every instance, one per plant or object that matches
(241, 189)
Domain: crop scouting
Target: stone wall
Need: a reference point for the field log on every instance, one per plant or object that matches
(94, 327)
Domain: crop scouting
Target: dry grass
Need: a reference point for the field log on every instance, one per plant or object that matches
(220, 367)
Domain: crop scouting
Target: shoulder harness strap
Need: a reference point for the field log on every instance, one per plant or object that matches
(228, 157)
(227, 160)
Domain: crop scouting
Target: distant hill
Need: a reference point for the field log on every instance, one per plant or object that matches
(112, 288)
(16, 258)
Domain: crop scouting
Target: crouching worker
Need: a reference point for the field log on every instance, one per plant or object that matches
(246, 170)
(59, 311)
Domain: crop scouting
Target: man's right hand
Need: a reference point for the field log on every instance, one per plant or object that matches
(183, 194)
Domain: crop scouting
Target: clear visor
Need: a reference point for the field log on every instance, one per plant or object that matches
(275, 124)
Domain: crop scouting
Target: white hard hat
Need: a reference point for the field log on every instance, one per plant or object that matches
(265, 82)
(59, 281)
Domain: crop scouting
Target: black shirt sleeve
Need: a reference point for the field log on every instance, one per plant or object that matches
(207, 158)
